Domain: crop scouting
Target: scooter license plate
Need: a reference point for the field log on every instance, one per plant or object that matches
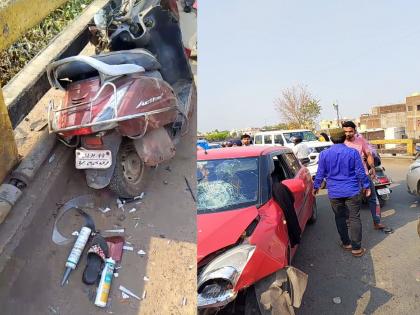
(383, 191)
(93, 159)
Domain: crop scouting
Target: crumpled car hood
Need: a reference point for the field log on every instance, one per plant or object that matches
(218, 230)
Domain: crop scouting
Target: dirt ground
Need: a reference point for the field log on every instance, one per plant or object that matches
(32, 265)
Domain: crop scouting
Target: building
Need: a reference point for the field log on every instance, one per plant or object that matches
(413, 116)
(393, 115)
(326, 124)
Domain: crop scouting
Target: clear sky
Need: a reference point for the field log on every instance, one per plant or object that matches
(360, 53)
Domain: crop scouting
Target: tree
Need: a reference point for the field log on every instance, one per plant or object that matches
(280, 126)
(217, 135)
(297, 107)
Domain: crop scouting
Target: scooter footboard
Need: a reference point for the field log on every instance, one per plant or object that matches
(100, 178)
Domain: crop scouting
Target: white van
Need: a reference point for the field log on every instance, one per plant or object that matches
(282, 137)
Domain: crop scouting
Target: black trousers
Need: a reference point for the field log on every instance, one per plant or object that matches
(350, 206)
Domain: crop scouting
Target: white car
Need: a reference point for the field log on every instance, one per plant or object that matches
(413, 178)
(282, 137)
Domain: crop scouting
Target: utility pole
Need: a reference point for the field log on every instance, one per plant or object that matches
(335, 105)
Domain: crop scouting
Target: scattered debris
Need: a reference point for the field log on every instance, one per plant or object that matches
(144, 295)
(337, 300)
(169, 242)
(184, 301)
(137, 203)
(104, 210)
(120, 204)
(132, 210)
(75, 233)
(137, 218)
(128, 243)
(116, 274)
(165, 182)
(145, 278)
(141, 252)
(190, 267)
(136, 225)
(388, 230)
(126, 291)
(53, 310)
(125, 296)
(311, 265)
(129, 248)
(52, 158)
(190, 190)
(115, 231)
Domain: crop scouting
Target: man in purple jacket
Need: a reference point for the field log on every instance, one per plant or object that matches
(343, 170)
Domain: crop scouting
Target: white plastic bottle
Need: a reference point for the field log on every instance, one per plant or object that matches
(76, 252)
(104, 287)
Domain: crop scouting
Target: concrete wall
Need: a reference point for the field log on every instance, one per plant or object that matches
(413, 116)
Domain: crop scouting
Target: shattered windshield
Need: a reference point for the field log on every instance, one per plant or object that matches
(226, 184)
(305, 135)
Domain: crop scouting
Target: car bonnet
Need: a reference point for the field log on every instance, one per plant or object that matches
(218, 230)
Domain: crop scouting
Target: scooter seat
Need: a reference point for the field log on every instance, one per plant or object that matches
(77, 70)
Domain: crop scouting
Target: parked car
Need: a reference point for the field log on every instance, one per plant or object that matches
(284, 138)
(413, 178)
(242, 233)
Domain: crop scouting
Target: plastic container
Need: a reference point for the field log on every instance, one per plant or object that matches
(76, 252)
(104, 287)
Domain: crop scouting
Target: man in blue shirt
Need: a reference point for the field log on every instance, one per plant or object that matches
(343, 170)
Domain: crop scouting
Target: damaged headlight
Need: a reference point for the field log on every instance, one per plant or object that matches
(219, 277)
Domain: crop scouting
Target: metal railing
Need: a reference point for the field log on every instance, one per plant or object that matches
(410, 143)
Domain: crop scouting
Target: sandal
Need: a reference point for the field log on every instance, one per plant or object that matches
(346, 247)
(96, 255)
(359, 253)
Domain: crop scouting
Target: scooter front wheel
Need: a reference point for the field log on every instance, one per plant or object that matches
(129, 172)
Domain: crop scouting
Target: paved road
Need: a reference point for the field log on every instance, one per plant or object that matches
(386, 280)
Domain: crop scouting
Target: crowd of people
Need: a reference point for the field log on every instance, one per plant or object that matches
(348, 168)
(244, 141)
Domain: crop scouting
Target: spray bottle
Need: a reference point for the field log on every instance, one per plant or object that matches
(104, 287)
(76, 252)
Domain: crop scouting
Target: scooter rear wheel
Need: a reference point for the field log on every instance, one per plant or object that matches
(129, 172)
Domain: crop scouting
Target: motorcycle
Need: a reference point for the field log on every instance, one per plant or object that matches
(382, 183)
(125, 110)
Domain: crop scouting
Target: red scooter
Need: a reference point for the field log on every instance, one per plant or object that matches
(125, 110)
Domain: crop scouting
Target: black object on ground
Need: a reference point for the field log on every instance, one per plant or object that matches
(97, 253)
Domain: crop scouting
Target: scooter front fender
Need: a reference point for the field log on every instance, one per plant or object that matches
(100, 178)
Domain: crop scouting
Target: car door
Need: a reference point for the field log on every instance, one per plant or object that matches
(297, 182)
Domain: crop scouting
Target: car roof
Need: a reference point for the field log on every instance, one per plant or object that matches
(239, 152)
(280, 131)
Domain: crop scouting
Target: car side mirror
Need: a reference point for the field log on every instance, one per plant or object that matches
(305, 161)
(296, 185)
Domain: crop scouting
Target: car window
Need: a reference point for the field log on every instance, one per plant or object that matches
(227, 184)
(292, 163)
(258, 139)
(267, 139)
(305, 135)
(278, 139)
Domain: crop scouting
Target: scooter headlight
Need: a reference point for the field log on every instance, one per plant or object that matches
(219, 277)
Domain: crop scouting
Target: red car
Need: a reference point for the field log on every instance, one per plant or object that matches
(242, 233)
